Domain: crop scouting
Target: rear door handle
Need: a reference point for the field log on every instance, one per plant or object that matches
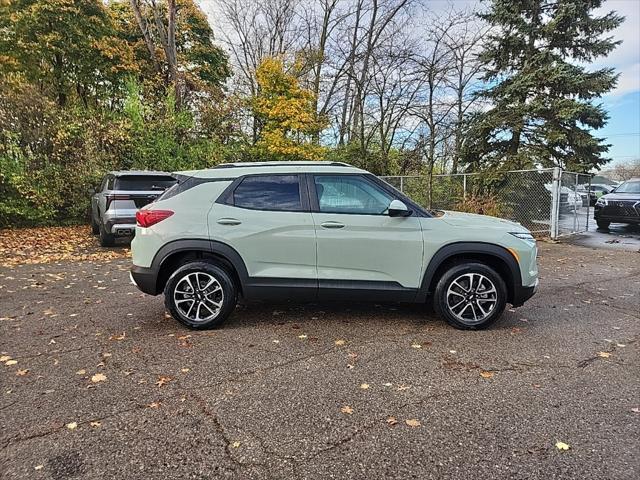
(332, 225)
(229, 221)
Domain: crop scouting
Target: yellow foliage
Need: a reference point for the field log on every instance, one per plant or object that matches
(287, 113)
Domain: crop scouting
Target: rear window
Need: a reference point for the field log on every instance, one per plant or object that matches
(144, 182)
(269, 192)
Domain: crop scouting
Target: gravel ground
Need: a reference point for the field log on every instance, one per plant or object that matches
(98, 383)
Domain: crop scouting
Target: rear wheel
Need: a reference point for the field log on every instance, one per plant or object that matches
(106, 239)
(604, 225)
(200, 295)
(470, 296)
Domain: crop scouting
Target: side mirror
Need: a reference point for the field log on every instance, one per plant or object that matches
(91, 190)
(398, 209)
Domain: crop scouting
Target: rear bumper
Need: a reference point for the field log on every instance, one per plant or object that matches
(523, 294)
(146, 279)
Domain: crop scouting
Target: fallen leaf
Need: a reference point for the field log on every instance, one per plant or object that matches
(562, 446)
(184, 370)
(163, 381)
(364, 386)
(604, 354)
(81, 372)
(39, 467)
(72, 425)
(302, 337)
(98, 377)
(95, 424)
(416, 345)
(154, 405)
(391, 421)
(118, 337)
(403, 387)
(635, 410)
(5, 358)
(340, 342)
(10, 362)
(235, 444)
(347, 409)
(22, 373)
(486, 374)
(413, 423)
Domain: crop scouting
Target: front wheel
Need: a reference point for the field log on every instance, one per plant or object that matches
(200, 295)
(470, 296)
(603, 225)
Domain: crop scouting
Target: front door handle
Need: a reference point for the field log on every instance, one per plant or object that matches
(332, 225)
(229, 221)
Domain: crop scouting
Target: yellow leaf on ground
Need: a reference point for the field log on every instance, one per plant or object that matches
(604, 354)
(184, 370)
(364, 386)
(11, 362)
(98, 377)
(39, 467)
(562, 446)
(392, 421)
(72, 425)
(302, 337)
(235, 444)
(81, 372)
(95, 424)
(22, 373)
(347, 409)
(486, 374)
(340, 342)
(162, 381)
(413, 422)
(416, 345)
(154, 405)
(5, 358)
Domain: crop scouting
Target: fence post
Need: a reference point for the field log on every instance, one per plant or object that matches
(555, 201)
(464, 186)
(588, 203)
(402, 184)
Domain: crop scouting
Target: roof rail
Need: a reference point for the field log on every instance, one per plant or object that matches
(281, 164)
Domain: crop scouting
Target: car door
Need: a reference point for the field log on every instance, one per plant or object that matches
(361, 249)
(266, 219)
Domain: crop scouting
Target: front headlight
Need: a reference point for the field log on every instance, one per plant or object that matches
(526, 236)
(602, 202)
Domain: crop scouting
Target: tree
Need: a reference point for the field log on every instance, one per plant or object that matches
(543, 98)
(287, 114)
(67, 49)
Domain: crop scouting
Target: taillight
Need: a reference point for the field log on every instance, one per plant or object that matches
(146, 218)
(111, 198)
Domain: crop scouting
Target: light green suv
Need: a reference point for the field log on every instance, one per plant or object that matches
(322, 231)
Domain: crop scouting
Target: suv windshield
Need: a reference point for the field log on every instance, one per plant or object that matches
(629, 187)
(144, 182)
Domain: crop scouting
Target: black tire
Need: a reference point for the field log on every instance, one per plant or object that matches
(227, 298)
(106, 239)
(442, 301)
(95, 229)
(603, 225)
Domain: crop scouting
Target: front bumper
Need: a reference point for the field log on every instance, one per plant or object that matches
(146, 279)
(523, 294)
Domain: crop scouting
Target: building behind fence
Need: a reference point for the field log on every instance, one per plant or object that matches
(549, 202)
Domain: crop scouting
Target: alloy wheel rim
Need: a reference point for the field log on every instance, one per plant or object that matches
(198, 296)
(472, 297)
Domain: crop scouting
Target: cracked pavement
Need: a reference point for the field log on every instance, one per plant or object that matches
(258, 399)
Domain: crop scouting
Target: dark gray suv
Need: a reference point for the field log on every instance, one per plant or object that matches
(121, 194)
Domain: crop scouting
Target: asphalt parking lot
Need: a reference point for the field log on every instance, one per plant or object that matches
(98, 383)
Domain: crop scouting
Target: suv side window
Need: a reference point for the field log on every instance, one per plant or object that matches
(110, 182)
(350, 194)
(269, 192)
(103, 185)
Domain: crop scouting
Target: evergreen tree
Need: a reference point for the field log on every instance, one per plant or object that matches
(543, 98)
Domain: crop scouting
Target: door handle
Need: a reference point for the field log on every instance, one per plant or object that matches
(229, 221)
(332, 224)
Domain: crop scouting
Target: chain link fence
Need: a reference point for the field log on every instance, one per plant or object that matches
(548, 202)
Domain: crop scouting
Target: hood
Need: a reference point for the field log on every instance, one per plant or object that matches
(621, 196)
(460, 219)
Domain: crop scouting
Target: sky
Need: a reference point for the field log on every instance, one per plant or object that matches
(623, 103)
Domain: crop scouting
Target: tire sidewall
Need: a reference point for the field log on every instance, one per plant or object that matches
(229, 291)
(440, 297)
